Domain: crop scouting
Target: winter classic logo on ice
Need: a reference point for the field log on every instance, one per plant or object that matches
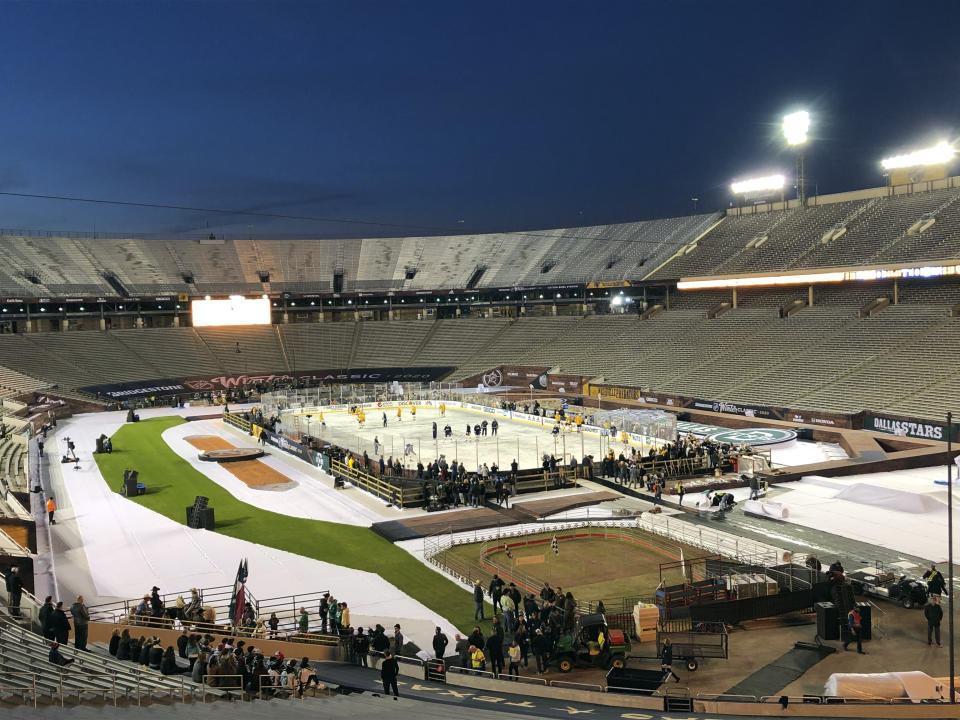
(753, 436)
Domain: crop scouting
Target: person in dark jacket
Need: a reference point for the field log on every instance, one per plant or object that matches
(541, 651)
(45, 617)
(114, 642)
(666, 660)
(935, 583)
(389, 669)
(59, 624)
(156, 654)
(56, 658)
(156, 604)
(14, 591)
(144, 656)
(123, 646)
(462, 646)
(934, 614)
(81, 618)
(494, 651)
(361, 648)
(182, 642)
(379, 642)
(478, 602)
(136, 645)
(168, 663)
(440, 642)
(476, 638)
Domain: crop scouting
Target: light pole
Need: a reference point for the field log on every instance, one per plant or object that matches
(953, 600)
(795, 126)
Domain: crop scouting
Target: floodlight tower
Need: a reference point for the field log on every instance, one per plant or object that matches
(795, 126)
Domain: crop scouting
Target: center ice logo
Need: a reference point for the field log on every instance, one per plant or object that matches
(754, 436)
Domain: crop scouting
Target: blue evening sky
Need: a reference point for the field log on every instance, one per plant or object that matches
(487, 115)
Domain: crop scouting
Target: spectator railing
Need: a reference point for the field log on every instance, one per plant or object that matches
(265, 684)
(32, 687)
(89, 687)
(217, 597)
(286, 607)
(206, 686)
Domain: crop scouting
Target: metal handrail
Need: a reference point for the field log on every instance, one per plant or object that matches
(608, 688)
(565, 683)
(90, 688)
(807, 699)
(204, 685)
(32, 686)
(725, 697)
(471, 671)
(278, 686)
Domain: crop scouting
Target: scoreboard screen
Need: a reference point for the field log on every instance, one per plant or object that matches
(235, 310)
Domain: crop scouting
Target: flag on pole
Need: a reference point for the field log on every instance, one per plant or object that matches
(238, 601)
(555, 545)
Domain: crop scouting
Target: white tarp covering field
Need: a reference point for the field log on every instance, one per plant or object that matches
(904, 510)
(129, 548)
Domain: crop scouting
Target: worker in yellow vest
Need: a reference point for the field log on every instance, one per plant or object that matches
(478, 660)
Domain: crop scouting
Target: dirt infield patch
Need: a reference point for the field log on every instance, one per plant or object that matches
(593, 568)
(254, 473)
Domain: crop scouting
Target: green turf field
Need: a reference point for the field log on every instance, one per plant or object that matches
(593, 569)
(173, 484)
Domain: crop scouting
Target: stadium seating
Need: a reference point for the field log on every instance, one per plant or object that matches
(391, 344)
(882, 224)
(319, 347)
(252, 349)
(92, 677)
(177, 352)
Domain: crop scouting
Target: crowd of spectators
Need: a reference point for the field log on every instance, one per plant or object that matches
(226, 663)
(522, 626)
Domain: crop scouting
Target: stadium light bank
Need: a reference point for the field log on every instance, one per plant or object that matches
(811, 278)
(760, 184)
(795, 127)
(939, 154)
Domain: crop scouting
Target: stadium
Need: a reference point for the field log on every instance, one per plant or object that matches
(826, 368)
(366, 457)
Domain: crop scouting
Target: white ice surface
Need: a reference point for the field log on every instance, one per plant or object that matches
(130, 548)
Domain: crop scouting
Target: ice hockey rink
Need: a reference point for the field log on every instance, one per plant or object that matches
(410, 438)
(521, 437)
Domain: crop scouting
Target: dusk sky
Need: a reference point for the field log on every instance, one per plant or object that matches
(475, 116)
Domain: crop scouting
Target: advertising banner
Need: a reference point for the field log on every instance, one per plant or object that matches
(906, 427)
(218, 383)
(759, 411)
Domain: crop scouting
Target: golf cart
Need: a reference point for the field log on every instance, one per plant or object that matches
(592, 644)
(909, 592)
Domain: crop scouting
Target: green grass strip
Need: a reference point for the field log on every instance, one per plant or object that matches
(172, 484)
